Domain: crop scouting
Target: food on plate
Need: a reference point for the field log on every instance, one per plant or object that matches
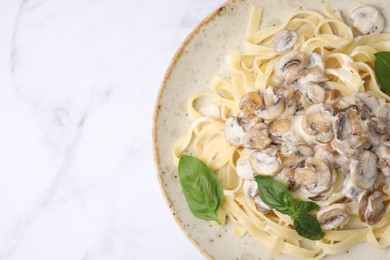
(294, 147)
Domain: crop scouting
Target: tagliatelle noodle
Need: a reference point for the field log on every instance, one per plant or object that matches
(349, 66)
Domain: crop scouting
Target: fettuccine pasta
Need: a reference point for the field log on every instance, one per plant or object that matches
(348, 63)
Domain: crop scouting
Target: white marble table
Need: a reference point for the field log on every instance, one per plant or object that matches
(78, 81)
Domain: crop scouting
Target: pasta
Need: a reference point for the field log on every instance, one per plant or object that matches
(348, 63)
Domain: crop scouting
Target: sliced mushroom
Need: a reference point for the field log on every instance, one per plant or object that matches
(352, 146)
(269, 96)
(234, 133)
(291, 108)
(383, 114)
(332, 216)
(257, 137)
(385, 168)
(295, 156)
(346, 102)
(272, 150)
(383, 152)
(292, 160)
(312, 75)
(261, 206)
(371, 208)
(317, 121)
(291, 103)
(244, 169)
(279, 127)
(250, 102)
(347, 123)
(326, 153)
(376, 131)
(274, 111)
(368, 20)
(250, 189)
(303, 150)
(315, 93)
(332, 95)
(265, 164)
(364, 171)
(370, 104)
(315, 177)
(341, 163)
(291, 66)
(284, 40)
(305, 101)
(247, 122)
(351, 191)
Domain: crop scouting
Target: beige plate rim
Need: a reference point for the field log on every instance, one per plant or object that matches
(156, 113)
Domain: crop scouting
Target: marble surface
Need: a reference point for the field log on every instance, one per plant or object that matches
(78, 82)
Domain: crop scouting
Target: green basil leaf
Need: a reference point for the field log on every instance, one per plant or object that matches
(382, 69)
(302, 207)
(201, 187)
(277, 196)
(274, 194)
(308, 227)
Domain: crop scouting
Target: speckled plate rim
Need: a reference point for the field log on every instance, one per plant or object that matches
(156, 114)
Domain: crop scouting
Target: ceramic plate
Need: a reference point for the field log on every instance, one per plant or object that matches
(201, 56)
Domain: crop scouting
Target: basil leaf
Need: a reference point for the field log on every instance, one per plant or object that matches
(382, 69)
(277, 196)
(305, 206)
(274, 194)
(201, 188)
(308, 227)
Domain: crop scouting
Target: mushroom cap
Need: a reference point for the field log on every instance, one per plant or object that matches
(347, 123)
(332, 95)
(364, 171)
(265, 164)
(332, 216)
(291, 66)
(279, 127)
(376, 131)
(315, 177)
(257, 137)
(244, 169)
(305, 101)
(312, 75)
(370, 104)
(345, 102)
(317, 121)
(250, 189)
(383, 114)
(303, 150)
(371, 208)
(284, 40)
(274, 111)
(351, 147)
(234, 133)
(290, 109)
(315, 93)
(368, 20)
(383, 152)
(247, 122)
(326, 153)
(250, 102)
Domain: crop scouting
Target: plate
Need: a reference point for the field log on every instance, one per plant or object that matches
(201, 56)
